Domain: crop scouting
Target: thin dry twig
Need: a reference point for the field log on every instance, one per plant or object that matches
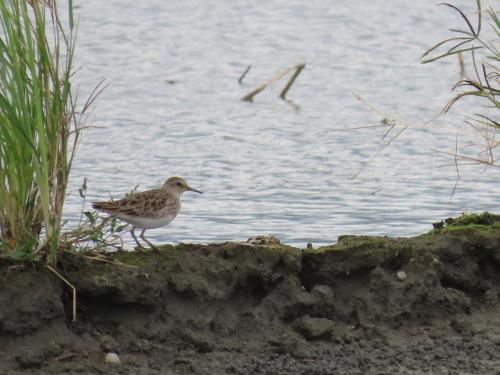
(470, 159)
(10, 268)
(362, 127)
(82, 233)
(455, 159)
(70, 285)
(100, 259)
(389, 122)
(384, 146)
(64, 356)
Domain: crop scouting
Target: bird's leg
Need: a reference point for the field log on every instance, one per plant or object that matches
(145, 240)
(135, 238)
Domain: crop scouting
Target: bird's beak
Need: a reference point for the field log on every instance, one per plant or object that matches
(196, 191)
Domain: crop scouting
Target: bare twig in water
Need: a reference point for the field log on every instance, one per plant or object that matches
(461, 64)
(240, 80)
(298, 69)
(249, 97)
(455, 159)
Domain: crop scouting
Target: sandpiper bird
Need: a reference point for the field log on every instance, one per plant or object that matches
(148, 209)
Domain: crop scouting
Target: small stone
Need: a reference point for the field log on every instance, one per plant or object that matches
(401, 275)
(112, 359)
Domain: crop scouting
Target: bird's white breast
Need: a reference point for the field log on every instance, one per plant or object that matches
(146, 222)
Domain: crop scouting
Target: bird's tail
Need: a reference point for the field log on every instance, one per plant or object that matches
(103, 206)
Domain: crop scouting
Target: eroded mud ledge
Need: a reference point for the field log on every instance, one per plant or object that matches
(365, 305)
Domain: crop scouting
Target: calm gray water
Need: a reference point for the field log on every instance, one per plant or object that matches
(271, 167)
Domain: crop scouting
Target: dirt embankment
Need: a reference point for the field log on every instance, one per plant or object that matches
(367, 305)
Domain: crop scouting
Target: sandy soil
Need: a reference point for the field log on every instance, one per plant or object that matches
(367, 305)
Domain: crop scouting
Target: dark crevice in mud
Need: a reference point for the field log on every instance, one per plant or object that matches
(449, 283)
(473, 275)
(307, 275)
(400, 259)
(306, 280)
(489, 268)
(67, 303)
(90, 306)
(254, 288)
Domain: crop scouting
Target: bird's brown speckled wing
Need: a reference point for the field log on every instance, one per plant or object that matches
(151, 203)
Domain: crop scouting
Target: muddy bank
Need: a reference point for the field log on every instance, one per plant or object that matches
(367, 305)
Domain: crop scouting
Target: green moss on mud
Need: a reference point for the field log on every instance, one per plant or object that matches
(484, 222)
(354, 253)
(368, 250)
(148, 257)
(145, 257)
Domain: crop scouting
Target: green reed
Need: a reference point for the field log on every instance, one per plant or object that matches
(38, 124)
(484, 82)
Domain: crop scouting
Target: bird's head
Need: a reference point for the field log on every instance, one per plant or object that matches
(178, 185)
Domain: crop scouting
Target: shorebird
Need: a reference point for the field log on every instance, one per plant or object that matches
(148, 209)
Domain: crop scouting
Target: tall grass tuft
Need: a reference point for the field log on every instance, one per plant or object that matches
(38, 125)
(484, 82)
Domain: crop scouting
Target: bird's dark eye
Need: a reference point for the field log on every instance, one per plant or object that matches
(179, 183)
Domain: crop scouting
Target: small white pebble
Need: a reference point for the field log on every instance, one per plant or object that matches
(112, 358)
(401, 275)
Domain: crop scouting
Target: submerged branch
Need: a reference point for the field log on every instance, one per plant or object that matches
(298, 69)
(249, 97)
(240, 80)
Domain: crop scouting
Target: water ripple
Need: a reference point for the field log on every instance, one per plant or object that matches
(173, 108)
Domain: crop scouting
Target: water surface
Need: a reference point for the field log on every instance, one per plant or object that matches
(274, 167)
